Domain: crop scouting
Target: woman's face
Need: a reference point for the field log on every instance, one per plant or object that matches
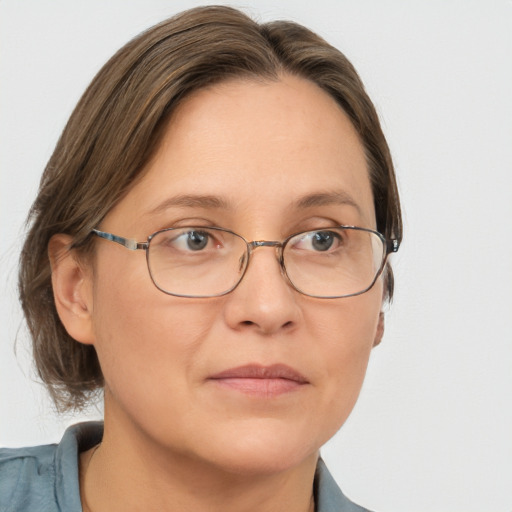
(181, 372)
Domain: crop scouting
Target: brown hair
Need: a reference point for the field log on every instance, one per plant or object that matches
(116, 127)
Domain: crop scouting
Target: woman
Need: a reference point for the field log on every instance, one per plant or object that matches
(208, 247)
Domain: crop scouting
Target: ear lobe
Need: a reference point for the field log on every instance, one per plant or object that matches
(379, 333)
(72, 289)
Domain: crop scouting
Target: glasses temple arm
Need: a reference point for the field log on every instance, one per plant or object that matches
(129, 243)
(392, 245)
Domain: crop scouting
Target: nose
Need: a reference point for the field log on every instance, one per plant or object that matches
(263, 302)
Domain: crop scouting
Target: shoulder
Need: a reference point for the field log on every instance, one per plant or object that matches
(45, 478)
(328, 495)
(26, 477)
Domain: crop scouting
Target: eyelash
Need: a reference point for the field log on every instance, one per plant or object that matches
(306, 224)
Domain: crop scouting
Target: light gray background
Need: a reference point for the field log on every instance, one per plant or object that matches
(432, 430)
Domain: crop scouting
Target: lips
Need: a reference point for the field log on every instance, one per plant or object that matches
(258, 380)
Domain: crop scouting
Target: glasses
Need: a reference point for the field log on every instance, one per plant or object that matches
(197, 261)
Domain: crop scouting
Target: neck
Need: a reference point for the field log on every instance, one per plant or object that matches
(130, 472)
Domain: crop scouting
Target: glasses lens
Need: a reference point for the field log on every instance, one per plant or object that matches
(196, 261)
(334, 262)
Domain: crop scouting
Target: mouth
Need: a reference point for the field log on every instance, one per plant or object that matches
(260, 381)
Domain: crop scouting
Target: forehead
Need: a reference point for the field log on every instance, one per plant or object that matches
(248, 143)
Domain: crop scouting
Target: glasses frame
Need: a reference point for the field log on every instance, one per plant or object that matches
(389, 246)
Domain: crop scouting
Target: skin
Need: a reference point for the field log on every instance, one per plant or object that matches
(170, 430)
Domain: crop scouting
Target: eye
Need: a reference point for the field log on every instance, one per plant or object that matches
(318, 241)
(197, 240)
(322, 240)
(191, 240)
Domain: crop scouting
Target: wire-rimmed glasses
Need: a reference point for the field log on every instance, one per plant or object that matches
(198, 261)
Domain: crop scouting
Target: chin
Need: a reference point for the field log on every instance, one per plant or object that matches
(259, 451)
(265, 462)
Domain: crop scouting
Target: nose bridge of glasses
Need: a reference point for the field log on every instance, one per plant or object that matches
(264, 243)
(278, 246)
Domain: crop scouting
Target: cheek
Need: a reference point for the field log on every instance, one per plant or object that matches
(345, 333)
(346, 328)
(143, 336)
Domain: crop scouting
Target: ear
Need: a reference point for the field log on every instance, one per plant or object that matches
(72, 289)
(379, 333)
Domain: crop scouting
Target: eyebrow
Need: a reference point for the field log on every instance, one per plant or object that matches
(337, 197)
(191, 201)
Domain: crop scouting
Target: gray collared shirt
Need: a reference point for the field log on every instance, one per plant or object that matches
(45, 478)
